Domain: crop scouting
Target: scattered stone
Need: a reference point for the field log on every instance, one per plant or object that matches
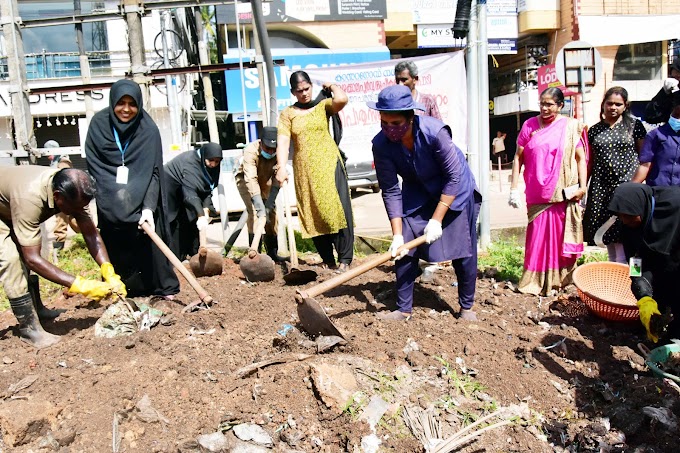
(24, 421)
(417, 359)
(7, 361)
(239, 446)
(370, 444)
(254, 433)
(292, 437)
(334, 384)
(214, 443)
(48, 442)
(66, 436)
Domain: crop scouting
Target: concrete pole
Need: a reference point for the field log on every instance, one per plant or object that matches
(472, 64)
(483, 127)
(84, 66)
(171, 88)
(138, 66)
(18, 88)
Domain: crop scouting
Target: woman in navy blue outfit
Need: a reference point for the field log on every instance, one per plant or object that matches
(438, 197)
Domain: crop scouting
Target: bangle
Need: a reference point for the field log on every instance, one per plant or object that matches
(447, 205)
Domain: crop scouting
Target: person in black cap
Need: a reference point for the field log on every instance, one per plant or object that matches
(255, 178)
(190, 179)
(659, 108)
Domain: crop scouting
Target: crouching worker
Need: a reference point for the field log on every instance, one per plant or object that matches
(438, 197)
(29, 195)
(651, 240)
(254, 180)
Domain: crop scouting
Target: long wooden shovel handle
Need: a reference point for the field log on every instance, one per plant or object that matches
(355, 272)
(202, 249)
(289, 226)
(202, 294)
(259, 228)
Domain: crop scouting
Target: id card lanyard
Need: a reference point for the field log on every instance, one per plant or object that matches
(122, 171)
(635, 263)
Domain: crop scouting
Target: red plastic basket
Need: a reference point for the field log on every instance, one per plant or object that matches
(605, 289)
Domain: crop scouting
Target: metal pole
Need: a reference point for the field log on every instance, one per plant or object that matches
(473, 93)
(84, 69)
(171, 88)
(262, 79)
(243, 83)
(261, 31)
(483, 128)
(18, 88)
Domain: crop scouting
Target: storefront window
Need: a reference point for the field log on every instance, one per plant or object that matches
(638, 62)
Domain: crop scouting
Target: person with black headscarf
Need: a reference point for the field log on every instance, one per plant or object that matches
(125, 157)
(190, 179)
(659, 108)
(651, 236)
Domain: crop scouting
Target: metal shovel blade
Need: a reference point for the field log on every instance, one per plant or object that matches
(314, 319)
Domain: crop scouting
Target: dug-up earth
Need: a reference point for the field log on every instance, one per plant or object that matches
(540, 374)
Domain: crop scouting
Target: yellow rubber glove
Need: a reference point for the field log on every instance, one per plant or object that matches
(648, 308)
(90, 288)
(113, 279)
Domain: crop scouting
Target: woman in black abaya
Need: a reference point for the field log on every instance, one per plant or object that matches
(125, 157)
(651, 234)
(190, 179)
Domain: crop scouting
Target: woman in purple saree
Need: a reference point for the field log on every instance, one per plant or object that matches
(554, 152)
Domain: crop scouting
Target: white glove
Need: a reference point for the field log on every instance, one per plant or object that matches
(397, 241)
(202, 223)
(670, 85)
(147, 216)
(433, 231)
(514, 198)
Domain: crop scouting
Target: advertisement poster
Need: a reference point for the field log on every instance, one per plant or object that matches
(440, 75)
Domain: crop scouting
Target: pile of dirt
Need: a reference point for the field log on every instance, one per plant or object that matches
(554, 377)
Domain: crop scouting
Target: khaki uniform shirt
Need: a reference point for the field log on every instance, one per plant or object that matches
(255, 171)
(26, 200)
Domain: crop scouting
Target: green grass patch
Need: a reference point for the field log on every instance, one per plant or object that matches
(592, 257)
(76, 260)
(507, 256)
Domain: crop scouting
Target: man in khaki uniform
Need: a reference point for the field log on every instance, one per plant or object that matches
(29, 195)
(254, 180)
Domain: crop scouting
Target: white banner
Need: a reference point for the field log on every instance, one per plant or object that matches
(441, 75)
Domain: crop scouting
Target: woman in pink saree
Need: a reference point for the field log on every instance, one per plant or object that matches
(554, 152)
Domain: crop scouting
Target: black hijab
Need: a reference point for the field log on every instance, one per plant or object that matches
(122, 203)
(210, 151)
(659, 208)
(190, 182)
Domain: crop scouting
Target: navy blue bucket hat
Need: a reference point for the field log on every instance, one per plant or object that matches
(395, 98)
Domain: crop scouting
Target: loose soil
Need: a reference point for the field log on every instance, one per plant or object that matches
(582, 377)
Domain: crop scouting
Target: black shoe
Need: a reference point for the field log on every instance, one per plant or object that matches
(58, 245)
(43, 312)
(30, 329)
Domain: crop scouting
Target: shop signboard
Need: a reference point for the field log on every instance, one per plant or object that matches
(304, 11)
(294, 59)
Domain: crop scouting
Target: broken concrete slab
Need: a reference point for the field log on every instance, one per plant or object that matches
(335, 384)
